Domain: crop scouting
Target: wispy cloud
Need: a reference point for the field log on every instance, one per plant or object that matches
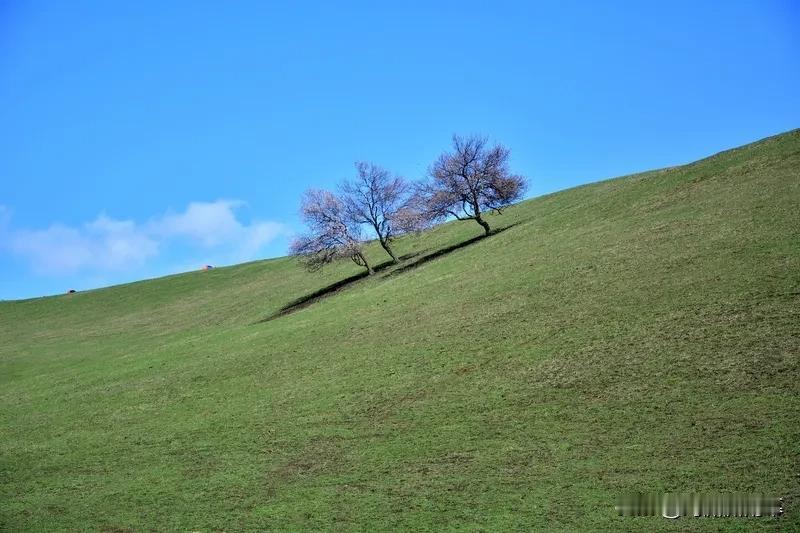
(106, 244)
(214, 224)
(103, 244)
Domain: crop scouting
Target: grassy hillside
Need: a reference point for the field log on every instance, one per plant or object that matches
(637, 334)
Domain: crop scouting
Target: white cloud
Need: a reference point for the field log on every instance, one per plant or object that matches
(256, 236)
(108, 245)
(214, 224)
(209, 223)
(103, 244)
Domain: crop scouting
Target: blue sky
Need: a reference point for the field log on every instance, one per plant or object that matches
(139, 139)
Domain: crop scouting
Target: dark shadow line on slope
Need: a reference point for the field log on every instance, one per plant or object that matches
(324, 292)
(308, 299)
(446, 250)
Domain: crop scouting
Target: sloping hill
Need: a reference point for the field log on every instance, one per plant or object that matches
(637, 334)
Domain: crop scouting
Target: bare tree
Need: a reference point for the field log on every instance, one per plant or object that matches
(413, 216)
(377, 198)
(332, 236)
(469, 181)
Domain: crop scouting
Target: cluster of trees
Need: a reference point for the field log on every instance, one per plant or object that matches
(464, 183)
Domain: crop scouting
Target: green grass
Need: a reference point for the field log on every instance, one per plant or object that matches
(639, 334)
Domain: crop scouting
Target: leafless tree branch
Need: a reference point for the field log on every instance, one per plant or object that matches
(331, 236)
(470, 180)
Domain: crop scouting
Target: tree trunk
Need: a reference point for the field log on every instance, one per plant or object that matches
(366, 265)
(385, 246)
(359, 259)
(483, 223)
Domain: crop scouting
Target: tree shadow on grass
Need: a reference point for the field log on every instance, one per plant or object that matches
(446, 250)
(308, 299)
(324, 292)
